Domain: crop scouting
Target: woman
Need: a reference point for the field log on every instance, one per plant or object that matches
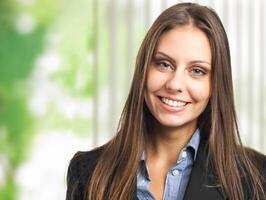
(178, 136)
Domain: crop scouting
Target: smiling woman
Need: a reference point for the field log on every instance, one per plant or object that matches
(178, 136)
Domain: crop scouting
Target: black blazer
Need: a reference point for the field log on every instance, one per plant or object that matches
(201, 185)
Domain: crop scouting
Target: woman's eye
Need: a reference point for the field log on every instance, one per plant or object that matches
(198, 72)
(164, 65)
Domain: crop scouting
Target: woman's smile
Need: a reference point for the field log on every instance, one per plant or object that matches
(173, 105)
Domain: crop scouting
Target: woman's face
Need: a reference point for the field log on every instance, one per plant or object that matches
(178, 84)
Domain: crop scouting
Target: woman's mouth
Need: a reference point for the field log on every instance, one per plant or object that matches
(173, 103)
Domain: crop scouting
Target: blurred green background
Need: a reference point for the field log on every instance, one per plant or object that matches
(65, 70)
(45, 49)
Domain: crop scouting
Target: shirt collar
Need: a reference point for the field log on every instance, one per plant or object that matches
(194, 142)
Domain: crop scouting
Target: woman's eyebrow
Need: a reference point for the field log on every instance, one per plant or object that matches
(165, 55)
(200, 61)
(173, 60)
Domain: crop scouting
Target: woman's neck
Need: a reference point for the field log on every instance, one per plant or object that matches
(167, 142)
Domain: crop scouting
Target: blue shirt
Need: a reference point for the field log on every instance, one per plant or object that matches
(177, 177)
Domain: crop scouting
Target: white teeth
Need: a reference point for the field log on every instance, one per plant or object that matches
(173, 103)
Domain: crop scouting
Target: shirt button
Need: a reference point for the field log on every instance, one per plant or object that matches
(175, 172)
(184, 154)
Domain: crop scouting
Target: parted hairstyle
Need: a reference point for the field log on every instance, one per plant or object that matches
(114, 176)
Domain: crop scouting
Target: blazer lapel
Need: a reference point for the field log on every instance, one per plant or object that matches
(201, 183)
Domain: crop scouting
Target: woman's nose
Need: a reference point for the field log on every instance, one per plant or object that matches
(176, 82)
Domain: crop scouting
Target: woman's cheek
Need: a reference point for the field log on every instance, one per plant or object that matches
(155, 81)
(200, 90)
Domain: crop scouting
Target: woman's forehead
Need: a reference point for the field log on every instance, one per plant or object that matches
(185, 42)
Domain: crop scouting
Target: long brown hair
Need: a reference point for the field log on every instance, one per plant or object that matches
(114, 176)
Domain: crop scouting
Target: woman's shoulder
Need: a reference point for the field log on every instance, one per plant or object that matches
(79, 170)
(258, 159)
(87, 157)
(85, 160)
